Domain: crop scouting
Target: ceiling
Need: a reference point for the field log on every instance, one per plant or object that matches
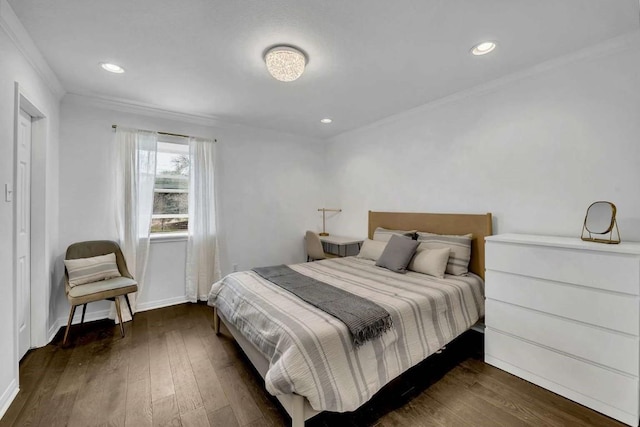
(368, 59)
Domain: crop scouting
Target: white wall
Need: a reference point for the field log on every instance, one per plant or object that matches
(15, 67)
(534, 149)
(269, 186)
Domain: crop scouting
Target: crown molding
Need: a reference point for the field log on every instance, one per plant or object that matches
(132, 107)
(608, 47)
(11, 25)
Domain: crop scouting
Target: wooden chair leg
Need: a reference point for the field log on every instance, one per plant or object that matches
(66, 333)
(84, 310)
(126, 298)
(117, 301)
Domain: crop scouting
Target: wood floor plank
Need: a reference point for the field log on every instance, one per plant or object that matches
(160, 369)
(427, 407)
(211, 392)
(140, 329)
(506, 402)
(261, 422)
(195, 418)
(543, 397)
(139, 362)
(480, 405)
(165, 412)
(270, 411)
(240, 399)
(74, 372)
(503, 402)
(114, 397)
(194, 345)
(139, 412)
(31, 368)
(87, 409)
(456, 401)
(214, 347)
(223, 417)
(548, 413)
(184, 380)
(59, 408)
(35, 408)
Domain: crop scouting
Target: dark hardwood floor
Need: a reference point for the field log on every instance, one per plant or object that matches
(172, 370)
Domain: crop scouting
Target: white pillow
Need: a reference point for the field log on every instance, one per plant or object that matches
(430, 261)
(372, 249)
(88, 270)
(383, 234)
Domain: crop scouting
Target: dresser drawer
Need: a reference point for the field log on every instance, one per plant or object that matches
(613, 311)
(587, 342)
(578, 380)
(603, 270)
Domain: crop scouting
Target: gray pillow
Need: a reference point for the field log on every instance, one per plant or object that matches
(397, 254)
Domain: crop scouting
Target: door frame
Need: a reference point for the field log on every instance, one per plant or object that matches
(40, 276)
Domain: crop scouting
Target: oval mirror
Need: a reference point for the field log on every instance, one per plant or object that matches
(600, 219)
(600, 216)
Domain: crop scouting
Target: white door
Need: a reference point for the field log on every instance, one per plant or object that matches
(23, 232)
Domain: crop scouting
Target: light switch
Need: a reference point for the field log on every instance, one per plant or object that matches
(8, 193)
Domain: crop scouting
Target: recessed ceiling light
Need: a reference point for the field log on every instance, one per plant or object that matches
(112, 68)
(285, 63)
(483, 48)
(326, 121)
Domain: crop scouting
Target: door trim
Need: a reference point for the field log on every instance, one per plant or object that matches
(40, 277)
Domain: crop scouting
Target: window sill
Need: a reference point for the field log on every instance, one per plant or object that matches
(168, 237)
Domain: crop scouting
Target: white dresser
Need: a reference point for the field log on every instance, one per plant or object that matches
(565, 314)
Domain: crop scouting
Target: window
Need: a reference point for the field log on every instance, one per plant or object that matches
(171, 192)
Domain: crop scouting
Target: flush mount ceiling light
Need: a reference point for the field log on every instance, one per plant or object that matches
(326, 121)
(112, 68)
(285, 63)
(483, 48)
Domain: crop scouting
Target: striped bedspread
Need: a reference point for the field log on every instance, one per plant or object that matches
(310, 352)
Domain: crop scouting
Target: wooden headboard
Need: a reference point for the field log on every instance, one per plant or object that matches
(478, 225)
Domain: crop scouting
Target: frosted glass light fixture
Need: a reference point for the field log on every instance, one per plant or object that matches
(483, 48)
(285, 63)
(326, 120)
(112, 68)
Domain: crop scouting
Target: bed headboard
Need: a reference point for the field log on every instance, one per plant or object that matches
(478, 225)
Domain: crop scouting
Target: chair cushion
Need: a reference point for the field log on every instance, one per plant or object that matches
(104, 287)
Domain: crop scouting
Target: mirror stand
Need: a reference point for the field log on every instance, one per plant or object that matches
(610, 240)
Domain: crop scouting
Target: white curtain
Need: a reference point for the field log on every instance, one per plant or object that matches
(134, 180)
(203, 266)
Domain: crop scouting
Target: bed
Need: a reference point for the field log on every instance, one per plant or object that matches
(305, 354)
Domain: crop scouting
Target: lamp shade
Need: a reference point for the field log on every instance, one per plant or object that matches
(285, 63)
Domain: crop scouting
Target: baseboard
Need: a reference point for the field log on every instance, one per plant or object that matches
(53, 330)
(104, 314)
(152, 305)
(7, 397)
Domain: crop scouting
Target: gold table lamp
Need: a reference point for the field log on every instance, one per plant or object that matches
(324, 211)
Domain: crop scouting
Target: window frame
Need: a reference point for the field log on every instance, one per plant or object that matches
(163, 236)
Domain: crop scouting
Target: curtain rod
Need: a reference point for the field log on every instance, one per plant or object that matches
(164, 133)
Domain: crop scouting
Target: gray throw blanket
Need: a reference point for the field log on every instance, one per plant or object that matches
(365, 319)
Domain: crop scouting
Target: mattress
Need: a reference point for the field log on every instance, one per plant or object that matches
(310, 352)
